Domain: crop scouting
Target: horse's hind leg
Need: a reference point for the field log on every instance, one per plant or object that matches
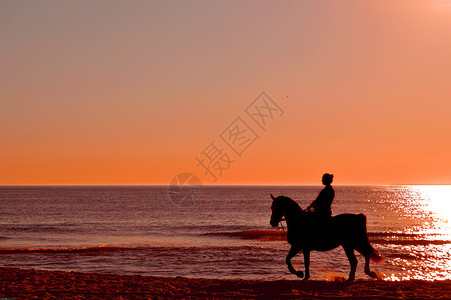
(367, 262)
(307, 264)
(352, 260)
(367, 268)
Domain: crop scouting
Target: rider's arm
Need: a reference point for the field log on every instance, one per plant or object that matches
(314, 204)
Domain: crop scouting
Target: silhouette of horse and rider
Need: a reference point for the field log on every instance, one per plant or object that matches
(316, 229)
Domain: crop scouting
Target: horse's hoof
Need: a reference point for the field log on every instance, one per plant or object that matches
(350, 279)
(299, 274)
(372, 274)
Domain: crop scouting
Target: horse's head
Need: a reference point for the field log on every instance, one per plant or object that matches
(280, 207)
(278, 210)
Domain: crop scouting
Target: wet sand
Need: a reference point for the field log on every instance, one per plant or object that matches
(36, 284)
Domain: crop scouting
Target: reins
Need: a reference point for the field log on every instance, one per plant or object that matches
(284, 234)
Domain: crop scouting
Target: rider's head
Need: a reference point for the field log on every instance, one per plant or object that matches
(327, 179)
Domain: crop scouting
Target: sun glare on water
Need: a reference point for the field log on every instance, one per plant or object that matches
(431, 206)
(438, 199)
(437, 202)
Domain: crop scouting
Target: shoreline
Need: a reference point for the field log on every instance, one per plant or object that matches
(30, 283)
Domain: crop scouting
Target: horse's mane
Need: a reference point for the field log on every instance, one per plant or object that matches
(290, 204)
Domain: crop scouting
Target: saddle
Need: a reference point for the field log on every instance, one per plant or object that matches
(319, 226)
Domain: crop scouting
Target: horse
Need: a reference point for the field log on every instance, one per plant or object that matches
(307, 232)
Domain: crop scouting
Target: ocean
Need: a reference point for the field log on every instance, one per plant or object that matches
(221, 232)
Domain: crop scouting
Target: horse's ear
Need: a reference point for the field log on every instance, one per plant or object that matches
(272, 197)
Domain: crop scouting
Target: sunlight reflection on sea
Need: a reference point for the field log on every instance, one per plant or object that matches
(437, 201)
(431, 206)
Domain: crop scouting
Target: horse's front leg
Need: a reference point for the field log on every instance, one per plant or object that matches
(307, 263)
(293, 251)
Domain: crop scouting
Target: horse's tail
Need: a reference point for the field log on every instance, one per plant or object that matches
(375, 256)
(367, 249)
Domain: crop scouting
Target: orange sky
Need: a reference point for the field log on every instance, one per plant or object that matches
(118, 92)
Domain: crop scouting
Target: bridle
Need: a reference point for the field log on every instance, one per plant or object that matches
(279, 225)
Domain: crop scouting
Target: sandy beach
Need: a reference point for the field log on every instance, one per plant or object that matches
(37, 284)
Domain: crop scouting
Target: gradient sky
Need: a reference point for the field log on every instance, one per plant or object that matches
(130, 92)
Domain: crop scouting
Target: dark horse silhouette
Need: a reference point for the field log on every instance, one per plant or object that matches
(307, 232)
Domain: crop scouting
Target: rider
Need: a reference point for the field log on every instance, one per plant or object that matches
(321, 207)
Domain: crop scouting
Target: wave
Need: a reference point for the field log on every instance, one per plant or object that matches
(393, 238)
(261, 235)
(158, 249)
(93, 249)
(40, 228)
(395, 234)
(411, 239)
(404, 256)
(422, 242)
